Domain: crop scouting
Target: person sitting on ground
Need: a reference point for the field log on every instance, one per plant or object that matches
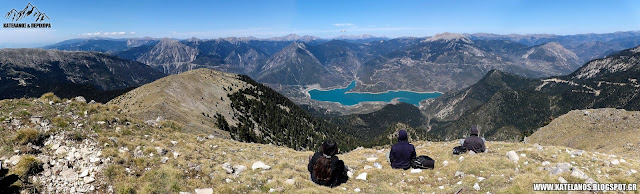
(402, 152)
(325, 167)
(473, 142)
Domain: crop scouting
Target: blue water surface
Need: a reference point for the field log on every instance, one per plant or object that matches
(344, 97)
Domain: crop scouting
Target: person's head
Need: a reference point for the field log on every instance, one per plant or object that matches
(322, 168)
(329, 147)
(474, 130)
(402, 135)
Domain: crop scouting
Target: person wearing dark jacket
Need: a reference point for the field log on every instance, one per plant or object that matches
(325, 167)
(402, 152)
(473, 142)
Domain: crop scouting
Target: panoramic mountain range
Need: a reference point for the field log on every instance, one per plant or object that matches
(442, 63)
(507, 106)
(508, 86)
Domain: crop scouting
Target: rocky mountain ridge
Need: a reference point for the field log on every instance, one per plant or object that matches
(33, 72)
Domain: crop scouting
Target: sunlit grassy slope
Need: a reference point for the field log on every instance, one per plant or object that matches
(194, 160)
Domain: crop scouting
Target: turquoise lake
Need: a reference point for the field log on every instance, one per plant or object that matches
(344, 97)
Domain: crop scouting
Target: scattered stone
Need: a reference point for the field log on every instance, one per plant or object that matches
(523, 155)
(622, 160)
(237, 169)
(416, 170)
(204, 191)
(579, 174)
(513, 156)
(228, 180)
(272, 190)
(88, 180)
(459, 174)
(80, 99)
(260, 165)
(538, 146)
(61, 150)
(176, 154)
(461, 158)
(227, 167)
(84, 173)
(161, 151)
(559, 168)
(615, 162)
(480, 179)
(441, 187)
(377, 165)
(445, 163)
(357, 190)
(290, 181)
(577, 153)
(476, 187)
(14, 160)
(562, 180)
(69, 175)
(164, 160)
(371, 159)
(367, 167)
(632, 171)
(350, 174)
(545, 163)
(362, 176)
(55, 146)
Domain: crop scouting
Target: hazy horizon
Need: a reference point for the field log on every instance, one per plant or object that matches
(324, 19)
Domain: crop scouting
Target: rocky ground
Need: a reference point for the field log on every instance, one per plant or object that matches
(93, 148)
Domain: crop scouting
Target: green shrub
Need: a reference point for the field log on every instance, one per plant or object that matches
(60, 122)
(23, 114)
(29, 135)
(114, 172)
(171, 125)
(28, 165)
(50, 97)
(75, 136)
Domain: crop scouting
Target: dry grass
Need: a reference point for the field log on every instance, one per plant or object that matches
(147, 174)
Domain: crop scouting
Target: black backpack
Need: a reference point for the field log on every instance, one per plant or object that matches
(422, 162)
(459, 150)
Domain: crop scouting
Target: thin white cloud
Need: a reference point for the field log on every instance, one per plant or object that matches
(107, 33)
(344, 24)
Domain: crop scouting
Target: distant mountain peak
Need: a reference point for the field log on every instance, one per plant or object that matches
(294, 37)
(357, 37)
(449, 37)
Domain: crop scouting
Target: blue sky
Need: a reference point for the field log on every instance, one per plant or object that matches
(326, 18)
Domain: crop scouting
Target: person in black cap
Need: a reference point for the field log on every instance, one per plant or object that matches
(473, 142)
(402, 152)
(325, 167)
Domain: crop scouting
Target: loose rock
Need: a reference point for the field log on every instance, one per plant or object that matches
(513, 156)
(204, 191)
(260, 165)
(362, 176)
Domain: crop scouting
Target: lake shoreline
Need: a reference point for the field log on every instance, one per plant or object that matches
(344, 95)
